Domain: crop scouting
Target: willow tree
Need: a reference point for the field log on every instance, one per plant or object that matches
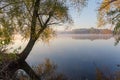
(109, 13)
(33, 19)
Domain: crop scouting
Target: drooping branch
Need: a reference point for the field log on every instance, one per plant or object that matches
(27, 8)
(107, 3)
(10, 4)
(116, 17)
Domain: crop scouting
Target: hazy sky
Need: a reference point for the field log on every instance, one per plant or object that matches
(88, 16)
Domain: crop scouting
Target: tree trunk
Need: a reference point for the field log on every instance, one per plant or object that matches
(33, 38)
(8, 71)
(30, 71)
(27, 50)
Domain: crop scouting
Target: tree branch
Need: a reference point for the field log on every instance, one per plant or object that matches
(54, 23)
(45, 25)
(107, 4)
(116, 17)
(40, 21)
(10, 4)
(27, 9)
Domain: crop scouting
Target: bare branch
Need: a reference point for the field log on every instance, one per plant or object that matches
(40, 21)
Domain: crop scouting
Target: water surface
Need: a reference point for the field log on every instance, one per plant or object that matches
(77, 56)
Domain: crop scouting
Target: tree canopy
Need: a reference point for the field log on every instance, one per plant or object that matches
(33, 18)
(109, 13)
(16, 16)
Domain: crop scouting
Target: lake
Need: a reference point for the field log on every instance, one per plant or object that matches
(78, 56)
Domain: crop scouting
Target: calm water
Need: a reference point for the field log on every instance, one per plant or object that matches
(77, 56)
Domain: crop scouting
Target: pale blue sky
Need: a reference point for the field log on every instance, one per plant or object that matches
(87, 18)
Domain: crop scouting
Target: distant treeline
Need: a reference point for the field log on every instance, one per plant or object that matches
(88, 31)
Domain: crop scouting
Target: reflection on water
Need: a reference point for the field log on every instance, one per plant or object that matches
(93, 37)
(79, 57)
(76, 58)
(117, 39)
(44, 71)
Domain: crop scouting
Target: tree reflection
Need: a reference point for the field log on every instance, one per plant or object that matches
(117, 39)
(45, 71)
(93, 37)
(106, 74)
